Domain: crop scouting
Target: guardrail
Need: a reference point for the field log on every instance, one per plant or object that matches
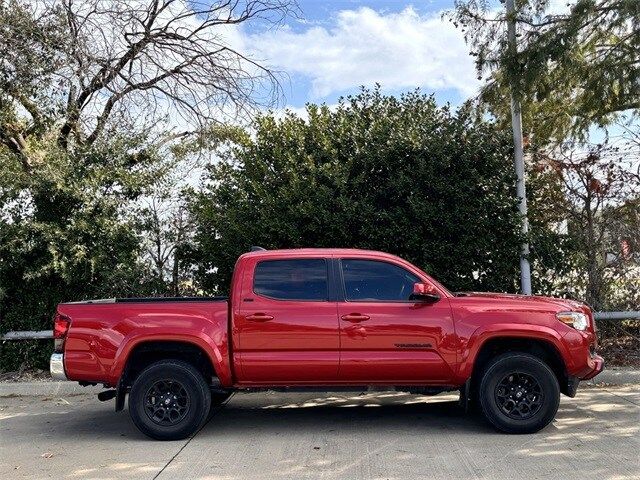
(48, 334)
(29, 335)
(616, 315)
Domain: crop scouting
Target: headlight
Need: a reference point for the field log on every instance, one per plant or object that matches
(577, 320)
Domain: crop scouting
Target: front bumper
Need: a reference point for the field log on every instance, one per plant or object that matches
(56, 367)
(597, 365)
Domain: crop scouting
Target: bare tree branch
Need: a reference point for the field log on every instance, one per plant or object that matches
(134, 63)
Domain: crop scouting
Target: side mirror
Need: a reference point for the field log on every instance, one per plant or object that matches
(424, 292)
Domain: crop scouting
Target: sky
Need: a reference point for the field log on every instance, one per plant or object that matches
(335, 46)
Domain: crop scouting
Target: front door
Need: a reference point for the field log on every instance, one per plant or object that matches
(287, 327)
(386, 337)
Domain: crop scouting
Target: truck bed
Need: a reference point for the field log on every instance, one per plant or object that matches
(149, 300)
(104, 332)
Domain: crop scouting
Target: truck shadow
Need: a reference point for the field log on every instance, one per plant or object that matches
(342, 436)
(285, 435)
(395, 411)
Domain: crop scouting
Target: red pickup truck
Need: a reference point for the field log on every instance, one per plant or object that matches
(327, 318)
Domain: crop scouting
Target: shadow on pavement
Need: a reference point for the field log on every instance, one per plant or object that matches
(384, 411)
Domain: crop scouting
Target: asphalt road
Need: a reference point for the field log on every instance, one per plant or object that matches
(375, 435)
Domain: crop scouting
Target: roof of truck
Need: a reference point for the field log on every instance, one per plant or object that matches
(317, 251)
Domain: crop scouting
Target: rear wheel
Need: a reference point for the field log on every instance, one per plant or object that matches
(519, 393)
(169, 400)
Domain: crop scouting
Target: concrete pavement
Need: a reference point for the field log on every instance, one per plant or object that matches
(375, 435)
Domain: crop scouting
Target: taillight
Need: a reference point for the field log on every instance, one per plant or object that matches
(60, 328)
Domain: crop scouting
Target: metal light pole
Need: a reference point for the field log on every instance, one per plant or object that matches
(516, 123)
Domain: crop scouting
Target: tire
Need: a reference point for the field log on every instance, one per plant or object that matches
(178, 385)
(519, 393)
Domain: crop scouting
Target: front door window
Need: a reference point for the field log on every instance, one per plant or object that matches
(372, 281)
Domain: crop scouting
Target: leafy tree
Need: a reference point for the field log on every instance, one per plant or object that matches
(554, 250)
(572, 70)
(394, 174)
(63, 236)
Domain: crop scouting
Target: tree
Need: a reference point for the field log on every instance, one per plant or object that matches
(63, 236)
(165, 227)
(572, 70)
(83, 69)
(166, 231)
(601, 210)
(394, 174)
(554, 250)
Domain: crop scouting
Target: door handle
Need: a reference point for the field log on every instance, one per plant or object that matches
(354, 317)
(259, 317)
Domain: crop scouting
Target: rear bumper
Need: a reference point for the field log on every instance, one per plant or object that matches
(56, 367)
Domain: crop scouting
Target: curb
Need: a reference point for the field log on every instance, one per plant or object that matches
(45, 388)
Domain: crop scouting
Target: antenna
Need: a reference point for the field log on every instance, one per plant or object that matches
(255, 248)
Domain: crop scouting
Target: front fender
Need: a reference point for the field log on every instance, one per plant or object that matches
(507, 330)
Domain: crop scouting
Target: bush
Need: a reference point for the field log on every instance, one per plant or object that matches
(394, 174)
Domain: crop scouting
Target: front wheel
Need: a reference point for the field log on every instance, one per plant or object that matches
(519, 393)
(169, 400)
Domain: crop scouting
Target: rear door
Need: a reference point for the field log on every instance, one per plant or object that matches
(287, 326)
(386, 337)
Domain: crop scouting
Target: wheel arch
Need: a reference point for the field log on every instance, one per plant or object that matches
(133, 342)
(547, 348)
(139, 353)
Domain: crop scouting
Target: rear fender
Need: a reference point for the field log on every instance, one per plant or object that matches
(217, 357)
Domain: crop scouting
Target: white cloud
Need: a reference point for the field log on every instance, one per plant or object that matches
(559, 7)
(399, 50)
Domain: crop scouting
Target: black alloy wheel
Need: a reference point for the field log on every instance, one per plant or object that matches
(167, 402)
(519, 395)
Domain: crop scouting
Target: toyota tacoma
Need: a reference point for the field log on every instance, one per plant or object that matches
(327, 318)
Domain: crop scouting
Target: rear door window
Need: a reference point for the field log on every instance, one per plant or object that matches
(298, 279)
